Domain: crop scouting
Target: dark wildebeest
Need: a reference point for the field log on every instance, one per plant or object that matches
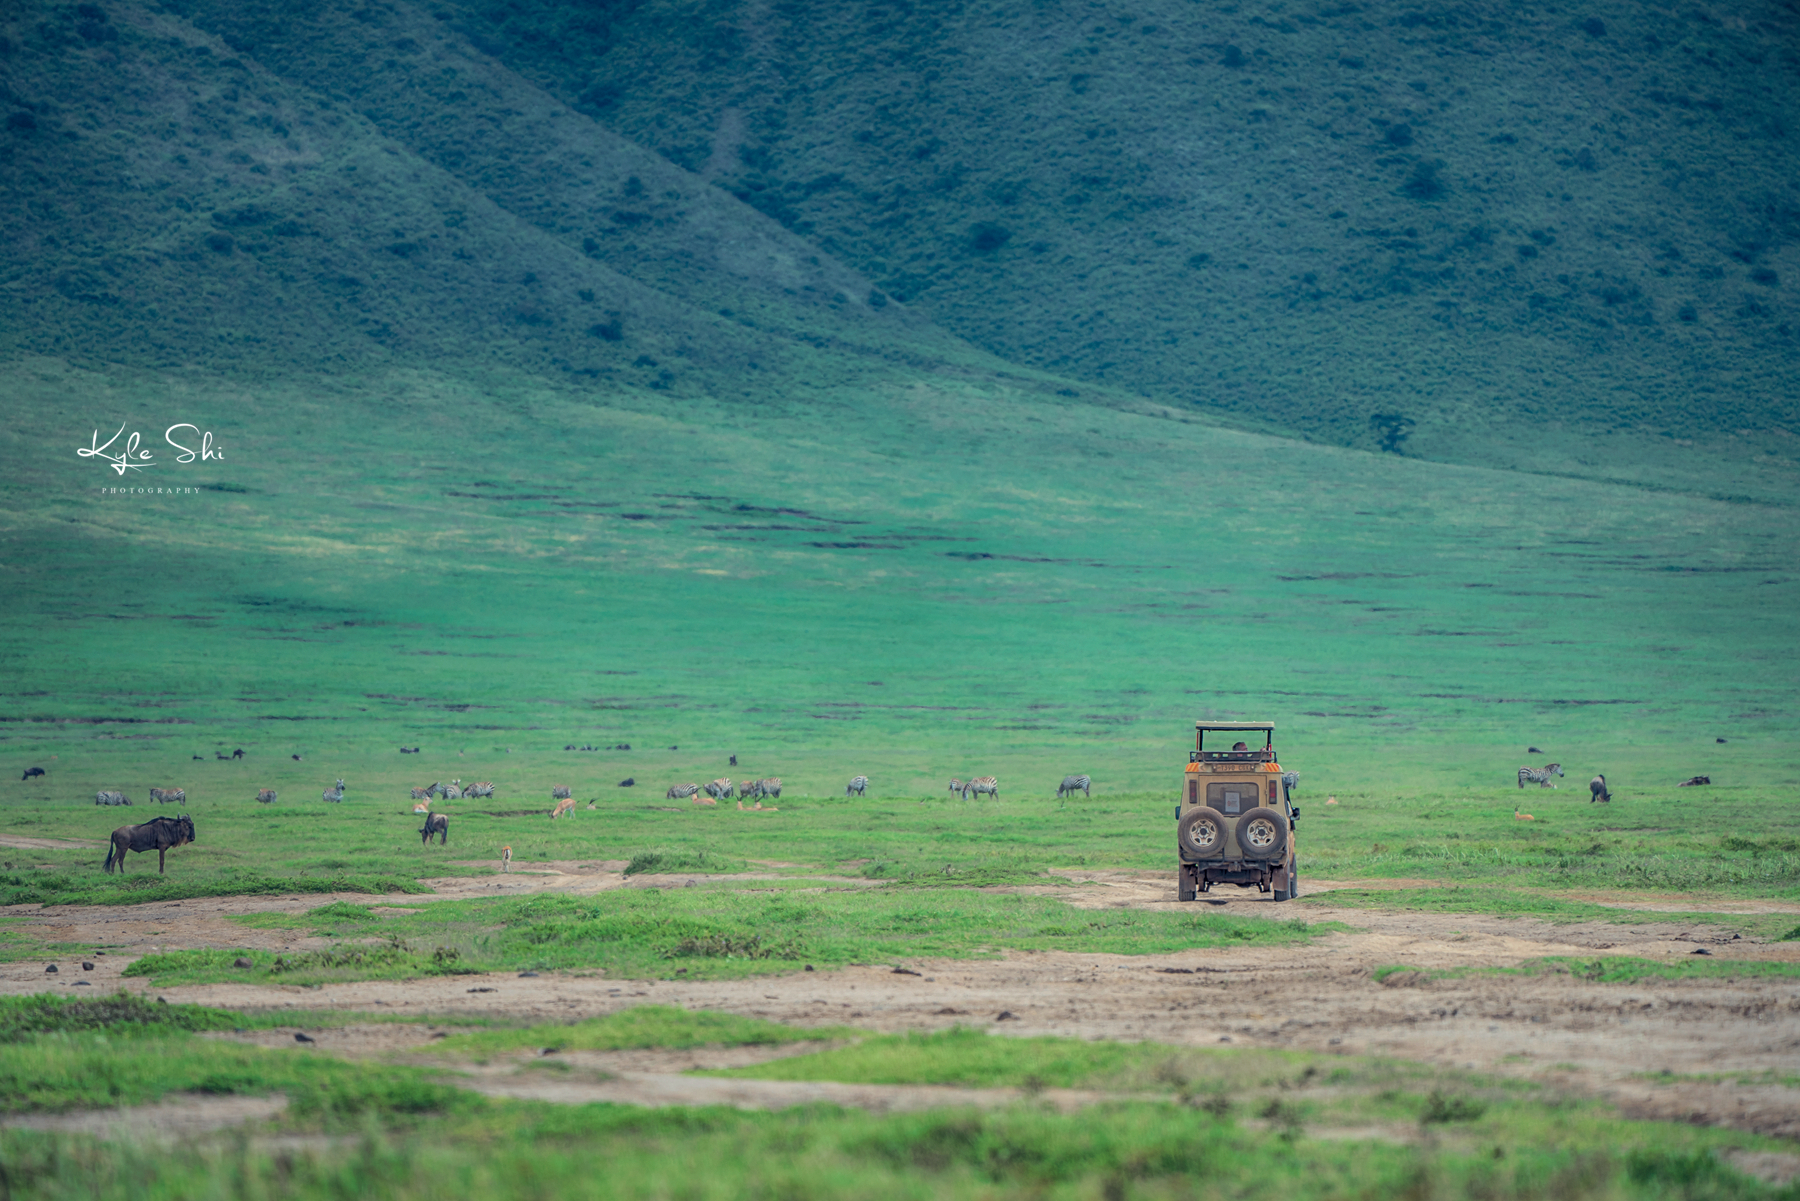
(238, 754)
(158, 834)
(1693, 781)
(32, 771)
(439, 824)
(1597, 786)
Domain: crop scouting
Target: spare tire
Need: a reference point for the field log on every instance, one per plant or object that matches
(1262, 834)
(1201, 834)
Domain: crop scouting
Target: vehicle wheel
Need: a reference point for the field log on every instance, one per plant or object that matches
(1201, 833)
(1184, 884)
(1293, 885)
(1262, 834)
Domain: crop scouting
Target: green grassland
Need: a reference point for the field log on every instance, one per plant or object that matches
(1261, 1124)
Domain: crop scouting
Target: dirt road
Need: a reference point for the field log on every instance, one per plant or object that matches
(1727, 1044)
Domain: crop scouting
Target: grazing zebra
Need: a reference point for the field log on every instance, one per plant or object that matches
(560, 792)
(334, 795)
(111, 798)
(768, 786)
(956, 785)
(420, 794)
(563, 806)
(1597, 786)
(164, 796)
(483, 789)
(453, 791)
(265, 796)
(858, 785)
(981, 784)
(719, 789)
(1540, 775)
(680, 791)
(1074, 784)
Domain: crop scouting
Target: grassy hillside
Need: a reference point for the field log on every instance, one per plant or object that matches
(1482, 225)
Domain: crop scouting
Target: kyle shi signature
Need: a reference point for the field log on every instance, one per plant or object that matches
(130, 456)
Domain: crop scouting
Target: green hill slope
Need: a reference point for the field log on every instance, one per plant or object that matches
(1439, 227)
(167, 200)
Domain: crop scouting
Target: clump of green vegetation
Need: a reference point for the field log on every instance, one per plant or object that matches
(120, 1013)
(1441, 1108)
(1625, 969)
(681, 861)
(724, 946)
(639, 1027)
(61, 888)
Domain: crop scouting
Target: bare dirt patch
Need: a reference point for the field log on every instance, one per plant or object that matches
(182, 1115)
(1581, 1035)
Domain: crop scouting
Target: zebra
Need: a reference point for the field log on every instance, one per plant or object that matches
(164, 796)
(265, 796)
(111, 798)
(678, 792)
(483, 789)
(858, 785)
(1597, 787)
(769, 786)
(1073, 784)
(956, 785)
(981, 784)
(1540, 775)
(719, 789)
(560, 792)
(333, 795)
(420, 794)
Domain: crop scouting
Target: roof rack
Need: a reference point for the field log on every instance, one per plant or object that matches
(1235, 725)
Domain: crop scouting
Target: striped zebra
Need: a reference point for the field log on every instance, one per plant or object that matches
(1074, 784)
(420, 794)
(483, 789)
(858, 785)
(956, 785)
(111, 798)
(719, 789)
(166, 796)
(1539, 775)
(768, 786)
(560, 792)
(679, 792)
(981, 784)
(453, 791)
(265, 796)
(333, 795)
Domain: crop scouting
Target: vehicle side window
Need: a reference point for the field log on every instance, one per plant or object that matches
(1231, 796)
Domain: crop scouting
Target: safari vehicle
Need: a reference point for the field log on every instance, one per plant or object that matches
(1235, 823)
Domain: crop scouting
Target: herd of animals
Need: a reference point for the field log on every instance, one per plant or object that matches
(162, 834)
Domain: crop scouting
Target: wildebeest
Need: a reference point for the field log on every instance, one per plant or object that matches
(559, 792)
(438, 824)
(265, 796)
(678, 791)
(1597, 786)
(158, 834)
(164, 796)
(628, 782)
(238, 754)
(1539, 775)
(1074, 784)
(1688, 783)
(111, 798)
(858, 784)
(563, 806)
(334, 795)
(719, 789)
(30, 772)
(483, 789)
(981, 784)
